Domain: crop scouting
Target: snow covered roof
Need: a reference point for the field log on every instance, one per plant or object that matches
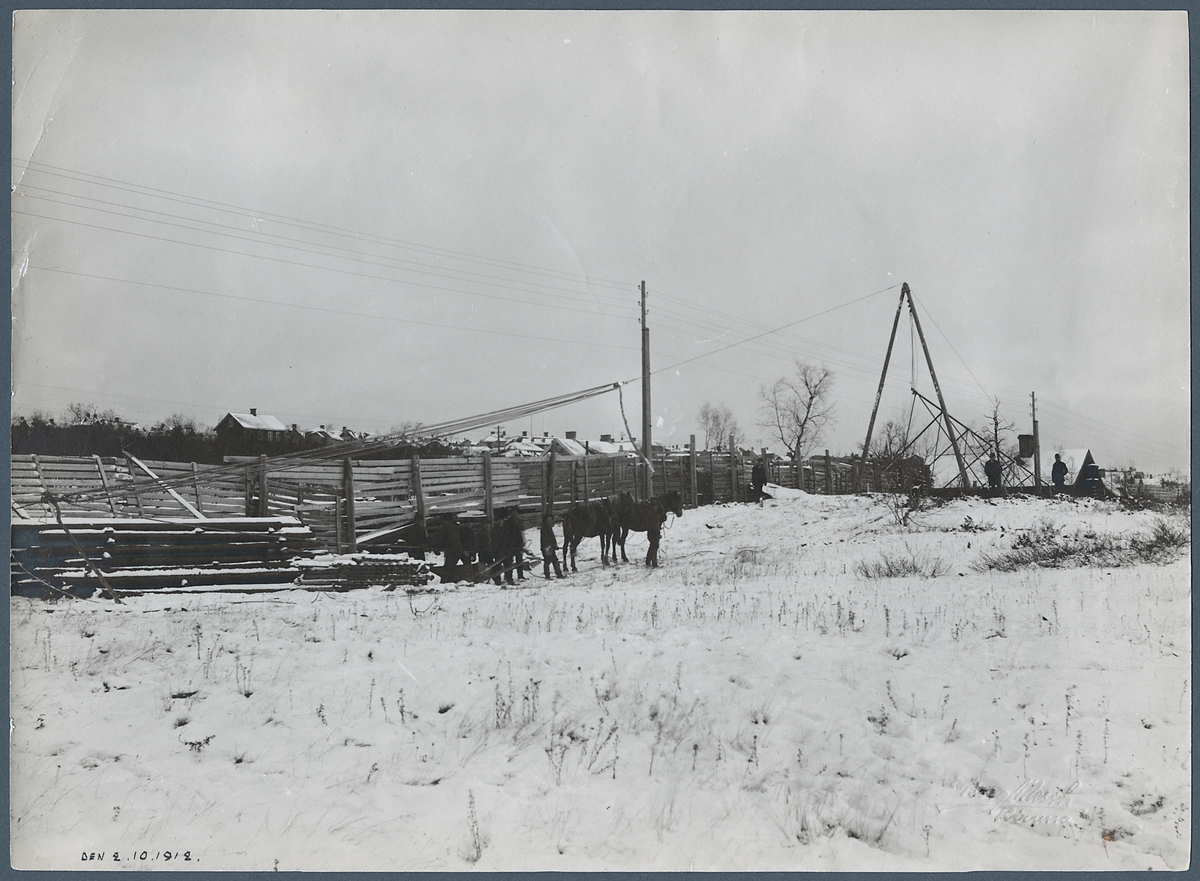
(523, 448)
(569, 447)
(321, 433)
(611, 447)
(258, 423)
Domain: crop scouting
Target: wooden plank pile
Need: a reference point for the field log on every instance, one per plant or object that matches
(356, 571)
(135, 554)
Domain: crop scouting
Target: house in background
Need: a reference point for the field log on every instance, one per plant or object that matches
(236, 427)
(321, 435)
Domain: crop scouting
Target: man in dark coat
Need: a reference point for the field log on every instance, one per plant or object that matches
(512, 546)
(758, 477)
(455, 550)
(994, 470)
(1058, 474)
(550, 548)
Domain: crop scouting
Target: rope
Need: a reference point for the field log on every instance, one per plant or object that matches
(641, 455)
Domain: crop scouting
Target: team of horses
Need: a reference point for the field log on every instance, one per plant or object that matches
(483, 550)
(477, 550)
(612, 521)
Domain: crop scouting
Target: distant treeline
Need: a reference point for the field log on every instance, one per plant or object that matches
(176, 441)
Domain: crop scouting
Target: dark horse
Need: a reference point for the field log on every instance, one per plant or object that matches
(589, 521)
(647, 517)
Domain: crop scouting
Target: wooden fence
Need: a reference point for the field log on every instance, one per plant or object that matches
(347, 503)
(351, 502)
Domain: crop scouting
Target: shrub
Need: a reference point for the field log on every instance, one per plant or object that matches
(1168, 539)
(911, 563)
(1042, 545)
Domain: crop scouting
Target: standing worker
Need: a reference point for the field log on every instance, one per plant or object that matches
(993, 469)
(1058, 474)
(549, 548)
(512, 543)
(758, 477)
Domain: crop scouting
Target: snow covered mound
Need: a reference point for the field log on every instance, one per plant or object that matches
(828, 683)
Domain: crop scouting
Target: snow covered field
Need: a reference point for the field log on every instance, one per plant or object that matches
(763, 701)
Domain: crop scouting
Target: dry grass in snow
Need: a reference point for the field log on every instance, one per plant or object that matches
(783, 693)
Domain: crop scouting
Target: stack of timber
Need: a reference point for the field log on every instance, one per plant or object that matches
(48, 557)
(356, 571)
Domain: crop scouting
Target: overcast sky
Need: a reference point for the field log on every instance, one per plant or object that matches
(366, 218)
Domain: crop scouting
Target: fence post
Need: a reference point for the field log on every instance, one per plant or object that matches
(262, 485)
(418, 495)
(828, 474)
(348, 490)
(692, 470)
(112, 505)
(574, 482)
(733, 482)
(585, 480)
(487, 485)
(615, 491)
(137, 496)
(195, 485)
(337, 522)
(548, 485)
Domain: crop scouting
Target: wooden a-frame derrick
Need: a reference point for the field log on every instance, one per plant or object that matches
(905, 294)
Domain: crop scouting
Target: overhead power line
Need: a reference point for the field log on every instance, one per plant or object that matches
(320, 249)
(334, 269)
(313, 226)
(331, 311)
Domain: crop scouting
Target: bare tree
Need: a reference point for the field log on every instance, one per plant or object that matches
(180, 424)
(718, 424)
(997, 427)
(408, 429)
(901, 459)
(88, 414)
(797, 409)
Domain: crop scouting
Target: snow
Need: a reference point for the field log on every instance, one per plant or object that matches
(753, 704)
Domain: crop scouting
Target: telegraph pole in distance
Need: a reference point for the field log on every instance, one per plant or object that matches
(646, 449)
(1037, 448)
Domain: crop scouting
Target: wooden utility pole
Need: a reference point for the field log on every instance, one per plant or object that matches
(1037, 448)
(646, 448)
